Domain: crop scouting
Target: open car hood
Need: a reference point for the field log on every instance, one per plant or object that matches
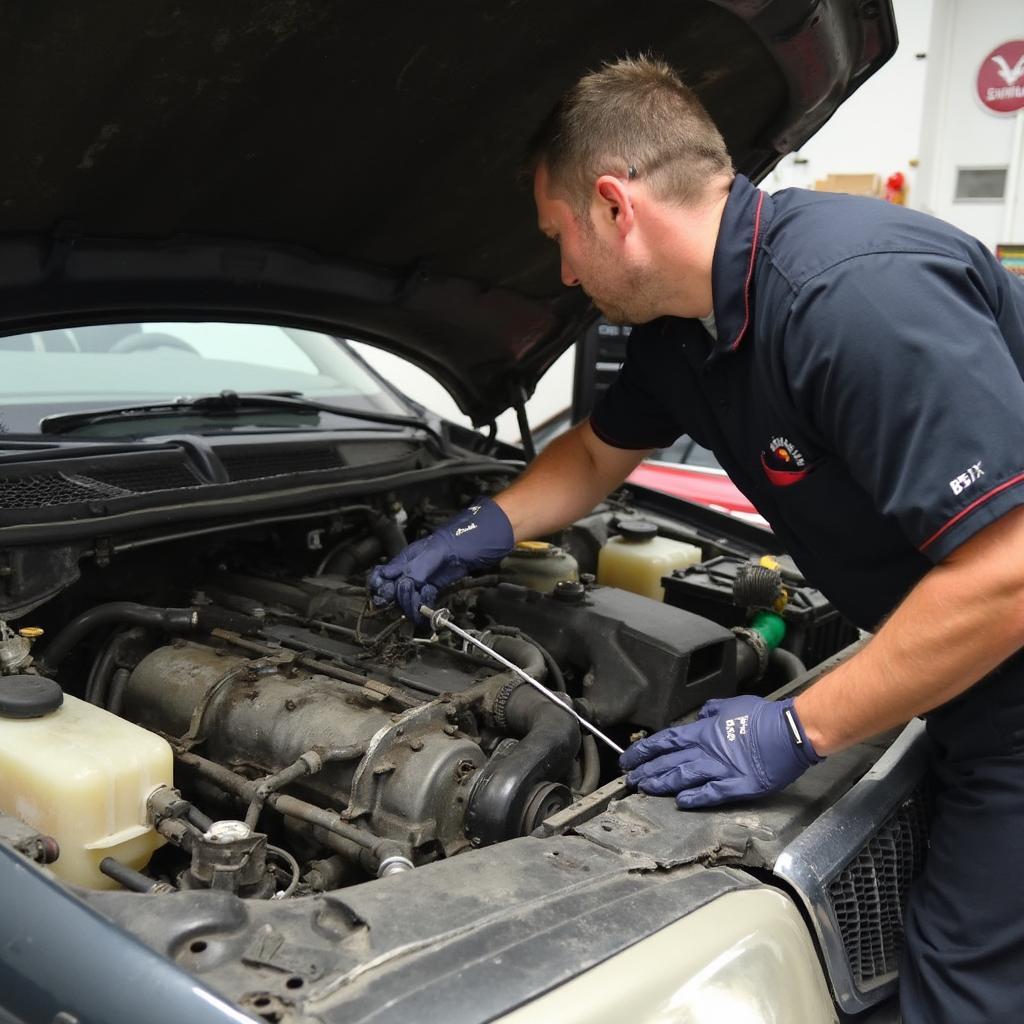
(353, 168)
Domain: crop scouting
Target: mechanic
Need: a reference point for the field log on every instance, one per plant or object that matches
(857, 369)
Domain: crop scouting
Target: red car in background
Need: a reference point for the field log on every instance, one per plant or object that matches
(688, 471)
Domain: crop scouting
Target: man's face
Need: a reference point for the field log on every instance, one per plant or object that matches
(617, 286)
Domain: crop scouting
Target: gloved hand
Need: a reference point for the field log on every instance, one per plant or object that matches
(471, 539)
(738, 748)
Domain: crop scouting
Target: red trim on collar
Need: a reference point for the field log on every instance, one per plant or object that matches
(970, 508)
(750, 275)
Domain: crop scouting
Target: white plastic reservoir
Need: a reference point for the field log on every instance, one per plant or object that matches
(82, 775)
(639, 558)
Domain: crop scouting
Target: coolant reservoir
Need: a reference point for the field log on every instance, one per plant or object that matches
(539, 566)
(639, 558)
(80, 774)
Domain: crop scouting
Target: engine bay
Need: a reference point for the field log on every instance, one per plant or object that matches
(264, 731)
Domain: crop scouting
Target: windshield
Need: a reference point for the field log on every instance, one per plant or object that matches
(119, 364)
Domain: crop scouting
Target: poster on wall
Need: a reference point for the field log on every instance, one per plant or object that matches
(1011, 257)
(1001, 78)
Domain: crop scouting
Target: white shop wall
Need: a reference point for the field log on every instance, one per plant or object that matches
(957, 129)
(877, 130)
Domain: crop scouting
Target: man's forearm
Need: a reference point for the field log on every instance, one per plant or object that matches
(960, 621)
(564, 482)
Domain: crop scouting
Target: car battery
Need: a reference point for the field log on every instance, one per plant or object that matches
(815, 629)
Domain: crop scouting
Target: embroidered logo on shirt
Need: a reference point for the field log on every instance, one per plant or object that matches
(464, 529)
(783, 454)
(966, 478)
(783, 462)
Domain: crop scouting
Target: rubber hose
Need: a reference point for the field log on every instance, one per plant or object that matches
(591, 766)
(549, 744)
(99, 677)
(348, 558)
(170, 620)
(746, 662)
(552, 666)
(787, 662)
(134, 881)
(118, 684)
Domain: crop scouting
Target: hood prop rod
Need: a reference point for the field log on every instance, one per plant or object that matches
(525, 434)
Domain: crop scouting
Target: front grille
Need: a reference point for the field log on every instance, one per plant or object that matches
(280, 462)
(853, 868)
(869, 895)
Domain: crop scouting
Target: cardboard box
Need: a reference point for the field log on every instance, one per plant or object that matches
(852, 184)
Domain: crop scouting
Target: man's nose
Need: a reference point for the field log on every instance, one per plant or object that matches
(569, 279)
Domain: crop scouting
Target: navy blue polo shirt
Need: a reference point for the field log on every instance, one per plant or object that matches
(865, 391)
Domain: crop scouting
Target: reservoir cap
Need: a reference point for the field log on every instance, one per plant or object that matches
(637, 529)
(27, 696)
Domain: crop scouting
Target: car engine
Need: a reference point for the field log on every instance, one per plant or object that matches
(318, 742)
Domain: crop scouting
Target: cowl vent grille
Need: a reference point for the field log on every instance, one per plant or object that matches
(144, 479)
(278, 462)
(52, 489)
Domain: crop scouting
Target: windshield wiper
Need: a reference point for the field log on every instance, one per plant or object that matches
(227, 403)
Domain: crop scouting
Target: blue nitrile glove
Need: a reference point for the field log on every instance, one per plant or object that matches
(738, 748)
(471, 539)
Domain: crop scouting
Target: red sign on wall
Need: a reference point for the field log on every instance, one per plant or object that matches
(1001, 78)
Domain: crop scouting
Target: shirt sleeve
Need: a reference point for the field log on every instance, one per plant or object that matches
(630, 414)
(899, 362)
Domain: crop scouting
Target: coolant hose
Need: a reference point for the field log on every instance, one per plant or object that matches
(554, 672)
(787, 663)
(170, 620)
(348, 558)
(591, 766)
(549, 744)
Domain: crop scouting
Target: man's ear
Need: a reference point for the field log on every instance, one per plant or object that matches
(613, 204)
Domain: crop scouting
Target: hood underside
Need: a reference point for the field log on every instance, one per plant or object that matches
(355, 168)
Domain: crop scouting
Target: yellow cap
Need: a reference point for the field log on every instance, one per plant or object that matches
(30, 632)
(533, 545)
(769, 562)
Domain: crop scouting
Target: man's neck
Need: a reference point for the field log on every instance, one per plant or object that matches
(686, 242)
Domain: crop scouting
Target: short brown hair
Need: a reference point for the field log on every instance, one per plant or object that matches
(633, 117)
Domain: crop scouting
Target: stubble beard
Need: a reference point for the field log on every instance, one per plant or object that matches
(623, 294)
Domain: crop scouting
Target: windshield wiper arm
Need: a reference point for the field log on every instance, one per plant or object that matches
(226, 403)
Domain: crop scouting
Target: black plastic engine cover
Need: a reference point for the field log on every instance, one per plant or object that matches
(642, 662)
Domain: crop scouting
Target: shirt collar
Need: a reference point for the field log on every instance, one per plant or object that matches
(746, 213)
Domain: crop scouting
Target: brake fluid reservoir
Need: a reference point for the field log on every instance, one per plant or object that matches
(639, 558)
(539, 566)
(80, 774)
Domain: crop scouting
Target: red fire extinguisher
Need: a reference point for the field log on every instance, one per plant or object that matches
(896, 188)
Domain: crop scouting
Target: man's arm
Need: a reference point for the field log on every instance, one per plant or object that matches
(960, 621)
(565, 482)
